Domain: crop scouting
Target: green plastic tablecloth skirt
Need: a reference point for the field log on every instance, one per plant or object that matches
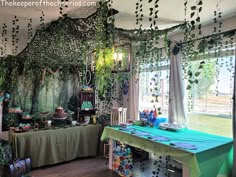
(205, 161)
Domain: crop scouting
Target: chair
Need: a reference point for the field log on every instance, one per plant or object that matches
(118, 115)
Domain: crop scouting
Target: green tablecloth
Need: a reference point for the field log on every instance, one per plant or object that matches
(204, 162)
(56, 145)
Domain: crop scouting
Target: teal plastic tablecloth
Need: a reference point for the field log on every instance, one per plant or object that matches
(205, 161)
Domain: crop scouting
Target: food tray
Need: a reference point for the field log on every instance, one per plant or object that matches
(170, 127)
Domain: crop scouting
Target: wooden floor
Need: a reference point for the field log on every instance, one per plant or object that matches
(88, 167)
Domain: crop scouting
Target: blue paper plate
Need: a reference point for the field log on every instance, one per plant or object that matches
(139, 133)
(159, 138)
(184, 145)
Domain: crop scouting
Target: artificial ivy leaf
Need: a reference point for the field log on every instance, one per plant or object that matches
(185, 3)
(150, 19)
(190, 81)
(200, 3)
(193, 7)
(156, 6)
(202, 63)
(198, 19)
(192, 14)
(196, 81)
(193, 35)
(192, 22)
(200, 9)
(151, 9)
(190, 73)
(151, 12)
(199, 26)
(149, 1)
(197, 74)
(214, 29)
(200, 66)
(189, 87)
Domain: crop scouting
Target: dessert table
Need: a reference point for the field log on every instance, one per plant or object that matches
(204, 158)
(52, 146)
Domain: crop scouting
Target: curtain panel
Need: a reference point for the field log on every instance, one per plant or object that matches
(176, 111)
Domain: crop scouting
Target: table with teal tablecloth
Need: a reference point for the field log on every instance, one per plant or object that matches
(205, 161)
(52, 146)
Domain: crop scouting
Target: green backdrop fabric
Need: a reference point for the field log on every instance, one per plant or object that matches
(57, 145)
(206, 161)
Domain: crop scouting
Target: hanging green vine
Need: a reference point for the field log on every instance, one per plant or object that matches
(104, 52)
(4, 39)
(15, 31)
(30, 31)
(104, 66)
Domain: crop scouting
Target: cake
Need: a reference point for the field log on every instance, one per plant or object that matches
(60, 113)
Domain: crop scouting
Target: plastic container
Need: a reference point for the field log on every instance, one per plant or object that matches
(160, 120)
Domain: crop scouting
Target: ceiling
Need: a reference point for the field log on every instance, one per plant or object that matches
(170, 13)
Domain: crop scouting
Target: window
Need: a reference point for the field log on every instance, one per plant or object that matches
(154, 88)
(210, 101)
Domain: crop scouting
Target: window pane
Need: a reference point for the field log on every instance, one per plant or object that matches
(210, 101)
(154, 91)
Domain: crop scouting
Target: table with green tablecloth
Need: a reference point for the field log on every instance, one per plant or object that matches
(52, 146)
(204, 161)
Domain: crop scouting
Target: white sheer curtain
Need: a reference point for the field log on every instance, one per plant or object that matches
(133, 98)
(176, 111)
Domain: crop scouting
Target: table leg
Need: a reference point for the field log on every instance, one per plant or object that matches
(110, 153)
(185, 171)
